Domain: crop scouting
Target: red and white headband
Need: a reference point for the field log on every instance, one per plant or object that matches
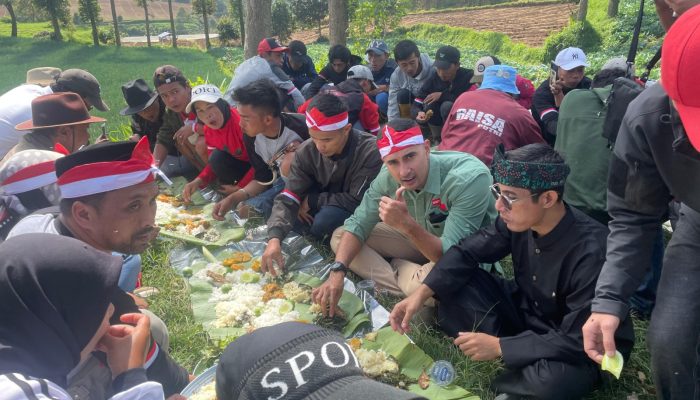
(317, 121)
(30, 178)
(393, 141)
(88, 179)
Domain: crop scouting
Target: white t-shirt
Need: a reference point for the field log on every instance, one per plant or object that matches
(16, 107)
(35, 223)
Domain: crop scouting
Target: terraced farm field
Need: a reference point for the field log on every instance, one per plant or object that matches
(528, 23)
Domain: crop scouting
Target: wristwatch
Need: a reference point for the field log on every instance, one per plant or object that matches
(339, 267)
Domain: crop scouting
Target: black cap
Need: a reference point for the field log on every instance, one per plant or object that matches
(332, 372)
(138, 96)
(297, 50)
(446, 56)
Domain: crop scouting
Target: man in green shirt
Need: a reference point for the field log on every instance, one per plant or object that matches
(420, 204)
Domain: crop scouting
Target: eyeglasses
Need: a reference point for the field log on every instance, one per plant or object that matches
(507, 201)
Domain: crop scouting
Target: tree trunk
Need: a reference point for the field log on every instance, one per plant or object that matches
(173, 36)
(258, 24)
(613, 6)
(148, 24)
(205, 17)
(582, 10)
(95, 37)
(56, 27)
(338, 21)
(241, 19)
(117, 39)
(13, 18)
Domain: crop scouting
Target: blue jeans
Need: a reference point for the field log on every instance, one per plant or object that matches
(130, 271)
(262, 203)
(674, 332)
(326, 220)
(382, 101)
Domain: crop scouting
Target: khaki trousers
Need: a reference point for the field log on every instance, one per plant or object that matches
(407, 267)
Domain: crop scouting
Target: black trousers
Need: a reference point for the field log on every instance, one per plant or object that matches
(227, 168)
(488, 304)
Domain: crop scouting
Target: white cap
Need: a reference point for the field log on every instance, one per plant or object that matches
(207, 93)
(570, 58)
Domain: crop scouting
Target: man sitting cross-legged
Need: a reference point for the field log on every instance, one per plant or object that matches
(269, 136)
(109, 202)
(419, 205)
(327, 180)
(534, 321)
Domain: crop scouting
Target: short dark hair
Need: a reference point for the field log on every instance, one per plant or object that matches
(402, 124)
(168, 74)
(405, 49)
(607, 77)
(93, 200)
(329, 104)
(538, 153)
(339, 52)
(261, 94)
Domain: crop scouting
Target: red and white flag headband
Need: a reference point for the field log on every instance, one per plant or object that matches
(88, 179)
(30, 178)
(317, 121)
(393, 141)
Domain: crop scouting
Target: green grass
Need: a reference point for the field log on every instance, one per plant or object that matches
(112, 66)
(82, 35)
(192, 348)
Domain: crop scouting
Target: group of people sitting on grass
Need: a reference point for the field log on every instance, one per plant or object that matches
(421, 175)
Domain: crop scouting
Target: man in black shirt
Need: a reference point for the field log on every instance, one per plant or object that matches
(570, 64)
(442, 88)
(534, 321)
(145, 108)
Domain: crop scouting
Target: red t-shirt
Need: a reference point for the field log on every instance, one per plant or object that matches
(228, 138)
(482, 119)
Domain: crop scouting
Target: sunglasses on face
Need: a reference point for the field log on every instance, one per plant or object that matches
(507, 201)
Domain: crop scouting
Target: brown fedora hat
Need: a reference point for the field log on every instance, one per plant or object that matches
(57, 109)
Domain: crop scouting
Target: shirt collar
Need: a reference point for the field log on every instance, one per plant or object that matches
(558, 232)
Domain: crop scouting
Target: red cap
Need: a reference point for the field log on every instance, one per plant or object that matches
(393, 141)
(680, 57)
(271, 44)
(527, 90)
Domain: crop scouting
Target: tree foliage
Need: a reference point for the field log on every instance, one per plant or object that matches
(373, 19)
(282, 20)
(89, 11)
(310, 12)
(204, 8)
(227, 30)
(59, 11)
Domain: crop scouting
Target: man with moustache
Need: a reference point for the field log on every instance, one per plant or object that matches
(419, 205)
(108, 201)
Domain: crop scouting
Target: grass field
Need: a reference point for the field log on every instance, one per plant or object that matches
(190, 344)
(111, 66)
